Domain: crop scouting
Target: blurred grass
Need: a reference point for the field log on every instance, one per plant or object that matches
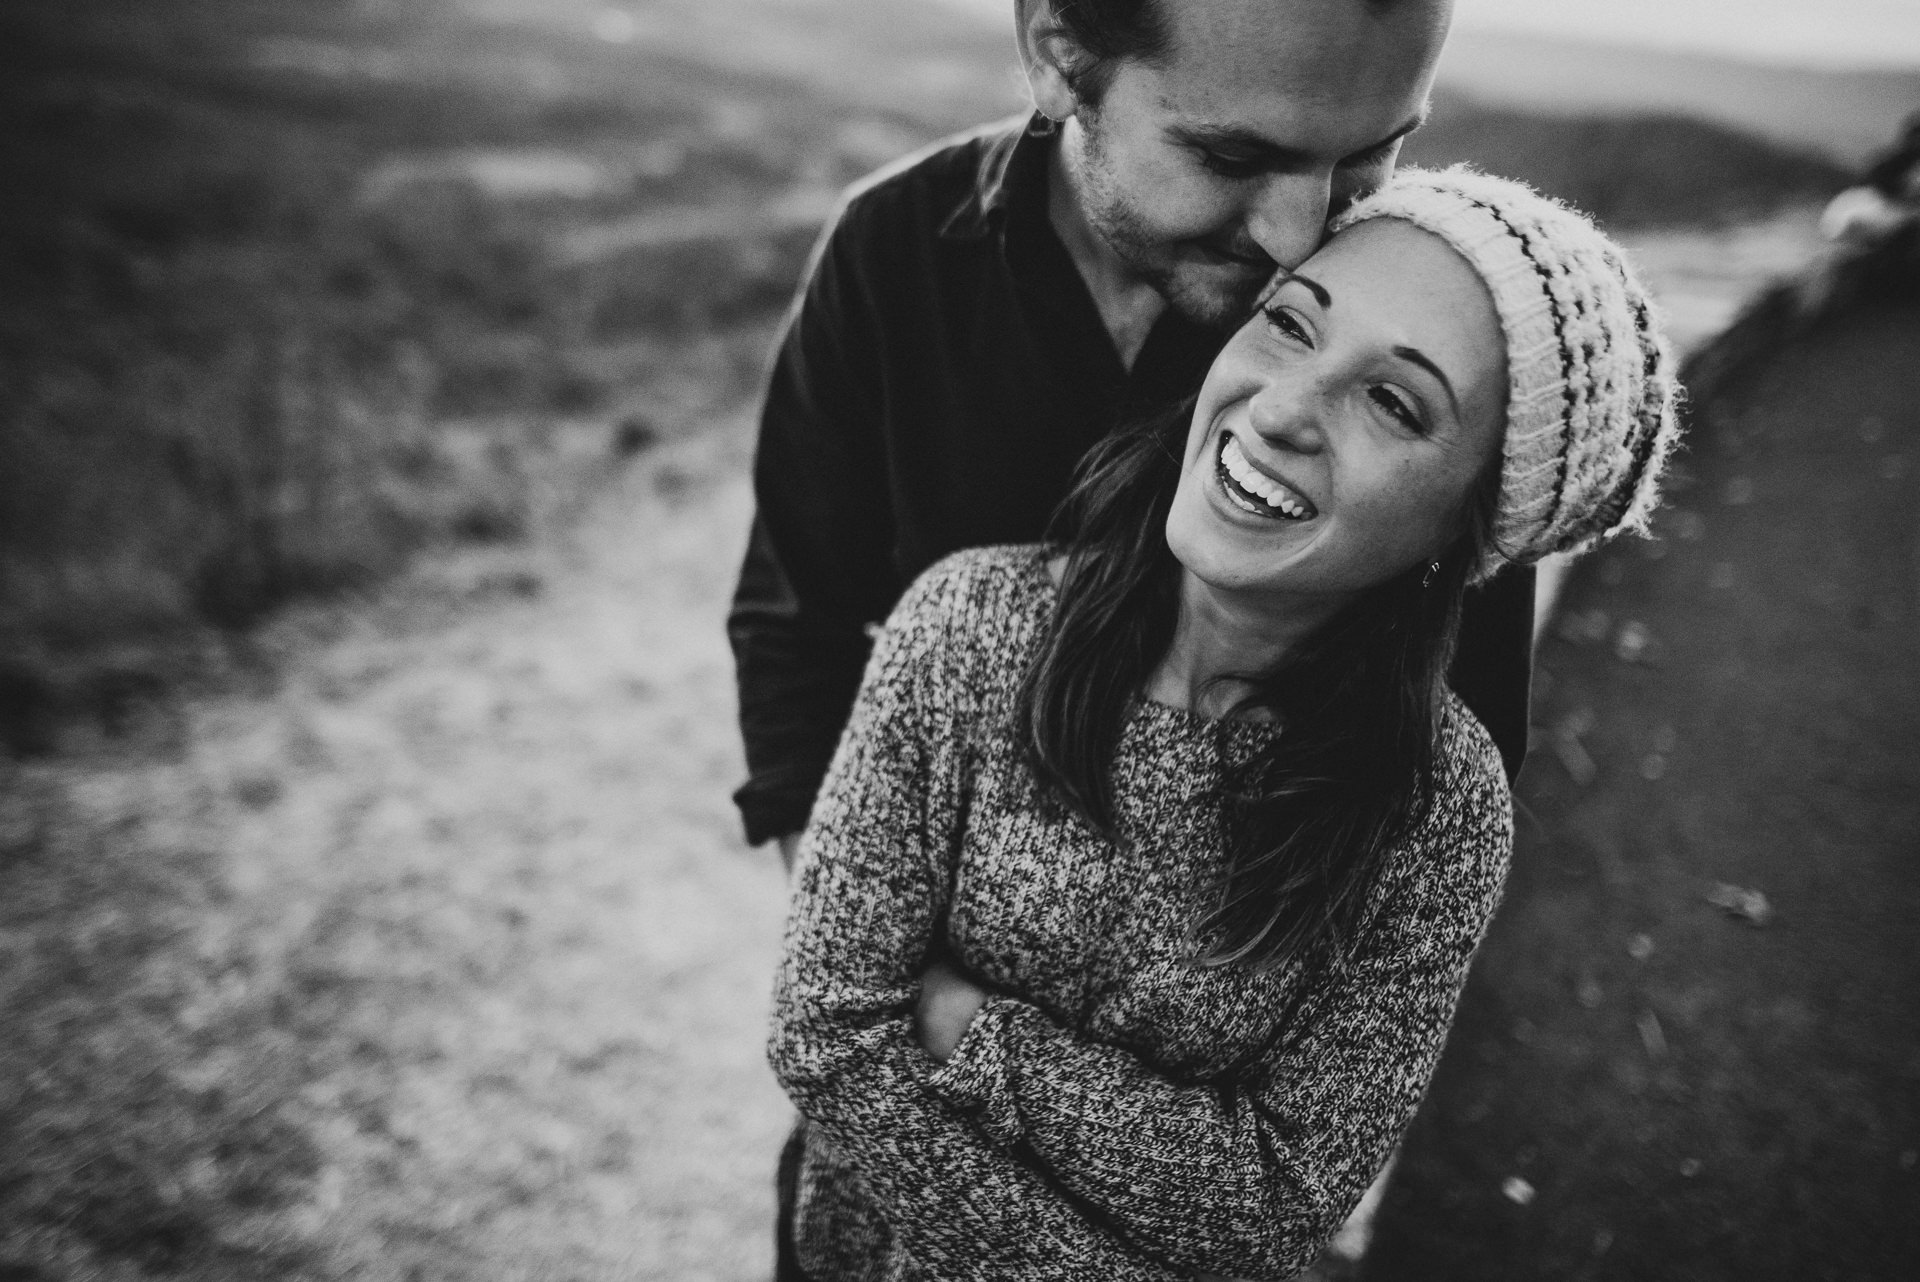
(127, 1147)
(274, 313)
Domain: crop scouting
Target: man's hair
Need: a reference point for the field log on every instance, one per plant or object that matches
(1107, 32)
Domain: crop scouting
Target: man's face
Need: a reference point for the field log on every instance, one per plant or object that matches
(1204, 171)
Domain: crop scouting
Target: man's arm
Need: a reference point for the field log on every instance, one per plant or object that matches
(818, 567)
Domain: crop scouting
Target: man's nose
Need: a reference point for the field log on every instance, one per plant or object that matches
(1289, 216)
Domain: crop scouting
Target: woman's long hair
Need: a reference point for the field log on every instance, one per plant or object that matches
(1313, 814)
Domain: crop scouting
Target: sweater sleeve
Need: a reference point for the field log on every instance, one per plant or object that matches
(1250, 1177)
(871, 889)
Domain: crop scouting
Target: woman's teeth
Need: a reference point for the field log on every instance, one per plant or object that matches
(1255, 492)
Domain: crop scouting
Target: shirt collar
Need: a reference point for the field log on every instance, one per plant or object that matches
(1012, 175)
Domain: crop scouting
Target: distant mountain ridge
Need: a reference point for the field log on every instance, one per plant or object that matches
(1846, 115)
(1641, 169)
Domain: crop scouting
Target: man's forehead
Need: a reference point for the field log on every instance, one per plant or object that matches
(1238, 62)
(1317, 27)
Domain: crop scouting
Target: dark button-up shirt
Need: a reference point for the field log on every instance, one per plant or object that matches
(942, 371)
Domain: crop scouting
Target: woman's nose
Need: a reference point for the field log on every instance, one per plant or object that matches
(1289, 415)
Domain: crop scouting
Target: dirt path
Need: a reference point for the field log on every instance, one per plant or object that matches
(446, 948)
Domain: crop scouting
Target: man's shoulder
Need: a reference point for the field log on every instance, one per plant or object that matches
(924, 188)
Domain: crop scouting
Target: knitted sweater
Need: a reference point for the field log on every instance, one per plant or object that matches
(1113, 1111)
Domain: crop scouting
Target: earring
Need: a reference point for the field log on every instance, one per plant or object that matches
(1045, 127)
(1433, 568)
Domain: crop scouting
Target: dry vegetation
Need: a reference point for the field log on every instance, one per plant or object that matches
(287, 292)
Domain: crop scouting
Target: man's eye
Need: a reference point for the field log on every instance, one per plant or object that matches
(1371, 157)
(1228, 166)
(1283, 319)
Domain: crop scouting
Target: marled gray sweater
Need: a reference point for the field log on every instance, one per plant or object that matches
(1113, 1112)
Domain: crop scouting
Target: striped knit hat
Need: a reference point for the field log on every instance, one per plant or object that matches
(1590, 388)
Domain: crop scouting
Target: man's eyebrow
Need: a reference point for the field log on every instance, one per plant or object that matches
(1246, 140)
(1421, 359)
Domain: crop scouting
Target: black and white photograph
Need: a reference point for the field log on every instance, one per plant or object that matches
(959, 640)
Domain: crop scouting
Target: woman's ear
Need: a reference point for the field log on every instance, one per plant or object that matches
(1049, 55)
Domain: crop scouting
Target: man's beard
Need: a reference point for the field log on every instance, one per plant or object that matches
(1212, 299)
(1208, 299)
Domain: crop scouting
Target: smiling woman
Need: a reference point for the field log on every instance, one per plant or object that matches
(1331, 449)
(1129, 924)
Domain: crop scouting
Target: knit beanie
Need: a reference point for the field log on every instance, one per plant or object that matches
(1590, 388)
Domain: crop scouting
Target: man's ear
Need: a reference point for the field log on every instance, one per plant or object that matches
(1050, 55)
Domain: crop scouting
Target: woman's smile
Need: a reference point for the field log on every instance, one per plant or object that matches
(1255, 491)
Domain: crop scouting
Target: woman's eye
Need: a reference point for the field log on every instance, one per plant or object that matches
(1397, 406)
(1289, 325)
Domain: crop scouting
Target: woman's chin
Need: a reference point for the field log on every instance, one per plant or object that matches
(1227, 566)
(1232, 551)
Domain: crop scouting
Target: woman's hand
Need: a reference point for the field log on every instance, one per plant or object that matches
(948, 1003)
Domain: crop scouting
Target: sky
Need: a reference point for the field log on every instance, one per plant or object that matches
(1826, 33)
(1808, 32)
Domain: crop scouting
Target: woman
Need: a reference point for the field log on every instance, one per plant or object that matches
(1130, 921)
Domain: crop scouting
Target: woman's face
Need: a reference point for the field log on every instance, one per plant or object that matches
(1341, 430)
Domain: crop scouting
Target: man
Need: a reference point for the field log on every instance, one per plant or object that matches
(983, 312)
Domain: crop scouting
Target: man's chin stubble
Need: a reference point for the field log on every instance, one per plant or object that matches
(1207, 307)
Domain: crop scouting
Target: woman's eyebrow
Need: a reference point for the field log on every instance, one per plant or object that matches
(1314, 287)
(1421, 359)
